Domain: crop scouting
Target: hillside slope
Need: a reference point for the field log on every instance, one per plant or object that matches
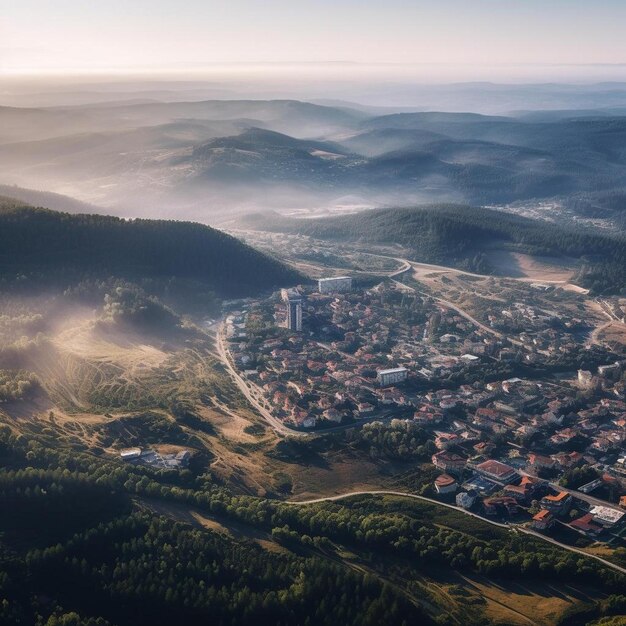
(62, 247)
(458, 235)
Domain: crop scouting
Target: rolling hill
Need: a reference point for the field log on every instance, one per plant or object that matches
(63, 248)
(459, 235)
(202, 160)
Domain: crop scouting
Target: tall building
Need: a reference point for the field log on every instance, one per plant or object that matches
(337, 284)
(293, 299)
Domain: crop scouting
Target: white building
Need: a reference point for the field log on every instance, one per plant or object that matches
(338, 284)
(391, 376)
(130, 453)
(607, 516)
(466, 500)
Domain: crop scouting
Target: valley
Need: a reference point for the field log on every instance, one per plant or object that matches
(313, 314)
(105, 385)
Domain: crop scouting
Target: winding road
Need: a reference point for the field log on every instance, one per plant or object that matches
(404, 266)
(245, 389)
(510, 527)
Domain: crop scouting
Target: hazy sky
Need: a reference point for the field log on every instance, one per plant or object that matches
(128, 35)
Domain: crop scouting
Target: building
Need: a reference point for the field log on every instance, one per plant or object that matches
(493, 506)
(336, 284)
(558, 504)
(391, 376)
(586, 525)
(540, 462)
(466, 499)
(524, 491)
(293, 300)
(481, 485)
(497, 471)
(130, 453)
(332, 415)
(445, 484)
(448, 461)
(606, 516)
(543, 520)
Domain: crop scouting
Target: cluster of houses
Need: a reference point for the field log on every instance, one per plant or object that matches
(353, 350)
(375, 354)
(494, 488)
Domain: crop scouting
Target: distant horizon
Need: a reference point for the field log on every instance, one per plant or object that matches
(74, 37)
(418, 73)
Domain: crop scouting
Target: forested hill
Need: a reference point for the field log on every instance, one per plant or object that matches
(60, 247)
(458, 234)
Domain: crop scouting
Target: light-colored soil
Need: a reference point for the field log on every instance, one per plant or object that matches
(528, 603)
(613, 333)
(108, 345)
(536, 268)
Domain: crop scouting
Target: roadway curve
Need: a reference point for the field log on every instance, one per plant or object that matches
(274, 422)
(510, 527)
(247, 392)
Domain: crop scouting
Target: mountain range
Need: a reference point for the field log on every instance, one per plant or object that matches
(202, 160)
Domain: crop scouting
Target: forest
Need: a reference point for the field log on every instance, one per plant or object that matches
(42, 247)
(112, 561)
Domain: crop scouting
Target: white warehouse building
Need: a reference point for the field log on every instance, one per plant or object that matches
(337, 284)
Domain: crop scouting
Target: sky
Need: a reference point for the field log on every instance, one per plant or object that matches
(476, 37)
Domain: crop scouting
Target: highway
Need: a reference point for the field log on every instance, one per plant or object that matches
(510, 527)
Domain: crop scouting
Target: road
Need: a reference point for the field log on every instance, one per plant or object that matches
(245, 389)
(406, 265)
(402, 494)
(462, 313)
(510, 527)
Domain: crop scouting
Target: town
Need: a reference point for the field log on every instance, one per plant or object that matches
(514, 437)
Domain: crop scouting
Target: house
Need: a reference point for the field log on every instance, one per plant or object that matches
(365, 408)
(568, 460)
(332, 415)
(558, 504)
(445, 484)
(524, 491)
(543, 520)
(539, 462)
(448, 461)
(497, 471)
(483, 447)
(443, 441)
(493, 505)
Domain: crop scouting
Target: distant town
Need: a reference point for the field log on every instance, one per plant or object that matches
(545, 452)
